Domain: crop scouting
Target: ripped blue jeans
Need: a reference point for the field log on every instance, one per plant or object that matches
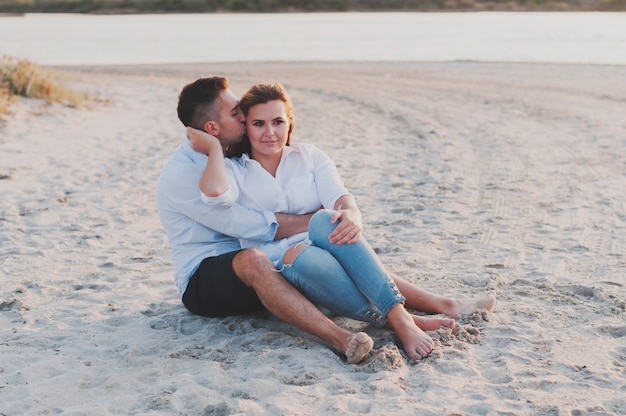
(349, 280)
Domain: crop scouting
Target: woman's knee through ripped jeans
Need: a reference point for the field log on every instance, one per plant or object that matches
(349, 279)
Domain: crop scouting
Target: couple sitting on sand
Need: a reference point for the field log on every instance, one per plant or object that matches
(256, 222)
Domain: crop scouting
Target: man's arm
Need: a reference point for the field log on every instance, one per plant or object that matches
(290, 224)
(214, 180)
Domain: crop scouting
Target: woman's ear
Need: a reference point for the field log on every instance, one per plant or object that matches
(212, 128)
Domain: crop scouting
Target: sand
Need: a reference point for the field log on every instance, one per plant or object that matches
(472, 177)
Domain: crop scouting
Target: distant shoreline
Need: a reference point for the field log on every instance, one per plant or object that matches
(69, 39)
(19, 7)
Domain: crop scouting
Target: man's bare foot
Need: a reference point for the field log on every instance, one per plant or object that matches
(358, 347)
(462, 307)
(429, 323)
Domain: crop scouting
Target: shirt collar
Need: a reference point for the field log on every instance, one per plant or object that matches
(245, 158)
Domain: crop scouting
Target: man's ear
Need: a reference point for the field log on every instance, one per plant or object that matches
(212, 128)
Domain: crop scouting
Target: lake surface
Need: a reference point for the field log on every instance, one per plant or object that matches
(68, 39)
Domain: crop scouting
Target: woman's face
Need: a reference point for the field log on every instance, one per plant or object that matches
(267, 126)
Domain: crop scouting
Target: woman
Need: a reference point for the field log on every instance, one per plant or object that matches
(341, 273)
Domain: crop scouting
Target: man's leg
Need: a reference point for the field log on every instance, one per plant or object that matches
(425, 301)
(256, 270)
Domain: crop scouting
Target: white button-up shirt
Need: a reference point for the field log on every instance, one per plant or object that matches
(195, 230)
(306, 180)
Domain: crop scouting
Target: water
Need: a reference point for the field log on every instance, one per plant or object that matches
(68, 39)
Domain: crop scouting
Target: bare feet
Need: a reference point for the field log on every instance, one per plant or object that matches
(428, 323)
(415, 342)
(462, 307)
(358, 347)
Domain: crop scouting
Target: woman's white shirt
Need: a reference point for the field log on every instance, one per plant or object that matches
(306, 180)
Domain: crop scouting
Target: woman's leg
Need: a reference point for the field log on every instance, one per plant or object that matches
(330, 287)
(360, 263)
(416, 343)
(320, 277)
(369, 275)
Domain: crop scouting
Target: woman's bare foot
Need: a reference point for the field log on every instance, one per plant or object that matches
(462, 307)
(358, 347)
(429, 323)
(415, 342)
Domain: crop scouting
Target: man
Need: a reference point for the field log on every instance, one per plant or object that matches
(214, 276)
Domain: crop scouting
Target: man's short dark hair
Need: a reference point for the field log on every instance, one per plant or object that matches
(196, 101)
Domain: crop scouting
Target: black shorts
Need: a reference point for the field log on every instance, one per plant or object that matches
(214, 290)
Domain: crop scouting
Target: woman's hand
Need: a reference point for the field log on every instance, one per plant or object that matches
(349, 230)
(203, 142)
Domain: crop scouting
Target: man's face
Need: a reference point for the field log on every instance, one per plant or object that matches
(232, 121)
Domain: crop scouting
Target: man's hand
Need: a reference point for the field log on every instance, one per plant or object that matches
(350, 227)
(203, 142)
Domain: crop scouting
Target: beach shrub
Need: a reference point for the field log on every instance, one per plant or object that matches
(24, 78)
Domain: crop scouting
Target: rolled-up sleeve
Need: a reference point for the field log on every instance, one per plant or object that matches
(239, 222)
(226, 199)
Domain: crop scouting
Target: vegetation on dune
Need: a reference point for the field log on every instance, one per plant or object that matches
(23, 78)
(206, 6)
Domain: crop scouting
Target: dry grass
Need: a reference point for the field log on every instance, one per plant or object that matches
(23, 78)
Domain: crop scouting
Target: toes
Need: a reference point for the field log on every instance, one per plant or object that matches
(358, 347)
(426, 349)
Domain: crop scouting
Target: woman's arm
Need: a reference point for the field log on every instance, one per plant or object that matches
(215, 180)
(333, 193)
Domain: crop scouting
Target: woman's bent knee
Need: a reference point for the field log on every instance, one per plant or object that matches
(322, 216)
(320, 226)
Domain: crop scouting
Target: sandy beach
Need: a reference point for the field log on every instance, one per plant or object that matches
(472, 177)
